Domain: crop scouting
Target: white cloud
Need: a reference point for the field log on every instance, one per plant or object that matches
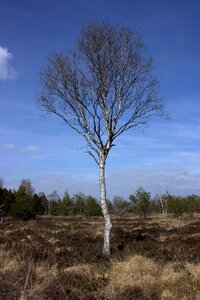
(177, 181)
(30, 148)
(27, 149)
(6, 71)
(124, 182)
(9, 146)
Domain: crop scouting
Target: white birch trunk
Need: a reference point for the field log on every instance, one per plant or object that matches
(162, 205)
(107, 219)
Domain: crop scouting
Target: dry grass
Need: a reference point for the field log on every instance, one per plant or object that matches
(60, 258)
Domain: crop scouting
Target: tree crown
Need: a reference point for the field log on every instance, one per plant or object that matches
(102, 88)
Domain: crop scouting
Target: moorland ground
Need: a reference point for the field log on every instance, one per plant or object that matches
(61, 258)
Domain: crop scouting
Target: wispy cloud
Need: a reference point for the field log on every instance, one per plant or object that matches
(9, 146)
(30, 148)
(6, 70)
(25, 149)
(177, 181)
(124, 182)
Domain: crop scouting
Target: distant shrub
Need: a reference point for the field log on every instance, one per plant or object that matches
(141, 202)
(23, 207)
(175, 205)
(92, 208)
(192, 204)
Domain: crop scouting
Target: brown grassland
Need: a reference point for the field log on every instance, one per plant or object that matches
(61, 258)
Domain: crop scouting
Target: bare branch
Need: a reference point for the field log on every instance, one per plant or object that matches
(102, 88)
(94, 157)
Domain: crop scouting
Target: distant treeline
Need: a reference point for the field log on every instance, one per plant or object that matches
(26, 204)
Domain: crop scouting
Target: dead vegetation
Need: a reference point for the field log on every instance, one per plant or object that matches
(61, 258)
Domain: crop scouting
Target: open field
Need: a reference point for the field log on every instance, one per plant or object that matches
(60, 258)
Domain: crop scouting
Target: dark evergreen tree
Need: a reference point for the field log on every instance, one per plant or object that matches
(23, 207)
(92, 208)
(79, 203)
(192, 204)
(7, 197)
(175, 205)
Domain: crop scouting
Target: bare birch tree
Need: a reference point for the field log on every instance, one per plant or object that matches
(101, 89)
(29, 189)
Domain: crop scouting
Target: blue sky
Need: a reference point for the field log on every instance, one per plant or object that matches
(163, 157)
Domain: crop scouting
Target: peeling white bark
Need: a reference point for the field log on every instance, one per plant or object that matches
(108, 224)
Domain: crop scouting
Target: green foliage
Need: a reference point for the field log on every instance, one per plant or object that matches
(53, 200)
(155, 207)
(79, 203)
(66, 206)
(20, 204)
(192, 204)
(141, 202)
(92, 208)
(37, 204)
(52, 208)
(23, 207)
(175, 205)
(7, 197)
